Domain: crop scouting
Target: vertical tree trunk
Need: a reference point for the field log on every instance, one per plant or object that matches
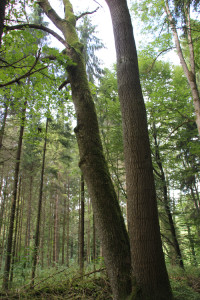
(3, 124)
(39, 210)
(64, 227)
(94, 244)
(14, 248)
(2, 17)
(13, 204)
(148, 261)
(82, 221)
(191, 240)
(67, 225)
(88, 233)
(177, 249)
(3, 202)
(55, 235)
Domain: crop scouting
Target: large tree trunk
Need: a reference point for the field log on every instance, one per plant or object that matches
(146, 248)
(109, 220)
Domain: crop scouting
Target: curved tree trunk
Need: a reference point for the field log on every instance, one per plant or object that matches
(146, 248)
(108, 217)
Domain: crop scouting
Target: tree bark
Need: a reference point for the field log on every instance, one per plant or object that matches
(2, 17)
(13, 204)
(3, 124)
(39, 210)
(148, 263)
(109, 220)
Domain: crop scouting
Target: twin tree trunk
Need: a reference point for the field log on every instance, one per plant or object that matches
(147, 257)
(146, 248)
(108, 217)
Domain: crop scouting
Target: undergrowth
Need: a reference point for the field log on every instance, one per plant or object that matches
(62, 284)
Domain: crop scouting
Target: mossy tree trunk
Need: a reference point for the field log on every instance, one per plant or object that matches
(109, 221)
(146, 247)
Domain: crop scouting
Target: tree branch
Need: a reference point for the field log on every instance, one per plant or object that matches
(28, 73)
(40, 27)
(51, 14)
(154, 61)
(63, 84)
(87, 13)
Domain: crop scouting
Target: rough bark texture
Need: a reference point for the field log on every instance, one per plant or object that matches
(147, 256)
(109, 220)
(2, 17)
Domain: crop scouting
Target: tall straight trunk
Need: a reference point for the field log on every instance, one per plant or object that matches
(94, 244)
(190, 74)
(3, 202)
(55, 235)
(28, 221)
(64, 228)
(88, 233)
(2, 17)
(13, 203)
(43, 232)
(147, 255)
(39, 210)
(177, 249)
(3, 124)
(82, 223)
(191, 240)
(109, 221)
(67, 225)
(14, 248)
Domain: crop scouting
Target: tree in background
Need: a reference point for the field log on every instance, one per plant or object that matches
(175, 15)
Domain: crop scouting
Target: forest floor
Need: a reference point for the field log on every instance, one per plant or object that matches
(185, 286)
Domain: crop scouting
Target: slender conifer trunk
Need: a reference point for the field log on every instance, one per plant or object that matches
(13, 203)
(39, 210)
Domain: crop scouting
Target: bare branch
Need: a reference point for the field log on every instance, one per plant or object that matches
(40, 27)
(87, 13)
(154, 61)
(63, 84)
